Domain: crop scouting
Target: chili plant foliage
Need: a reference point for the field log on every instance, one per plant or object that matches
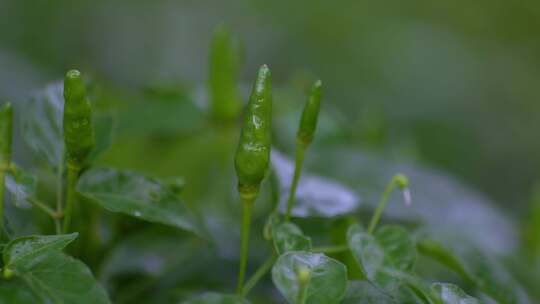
(77, 230)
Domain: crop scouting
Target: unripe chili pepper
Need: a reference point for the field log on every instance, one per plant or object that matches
(78, 128)
(304, 137)
(253, 152)
(308, 121)
(225, 100)
(252, 157)
(6, 135)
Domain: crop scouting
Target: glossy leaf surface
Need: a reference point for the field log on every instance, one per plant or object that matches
(138, 196)
(328, 277)
(383, 255)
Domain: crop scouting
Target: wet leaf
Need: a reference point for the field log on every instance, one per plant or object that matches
(328, 280)
(451, 294)
(22, 252)
(42, 123)
(389, 251)
(482, 271)
(289, 237)
(362, 292)
(21, 185)
(53, 276)
(138, 196)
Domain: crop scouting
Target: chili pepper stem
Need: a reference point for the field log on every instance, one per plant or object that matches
(2, 191)
(71, 195)
(259, 274)
(397, 180)
(300, 152)
(304, 276)
(48, 210)
(247, 205)
(59, 196)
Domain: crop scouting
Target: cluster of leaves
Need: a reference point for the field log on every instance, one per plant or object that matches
(152, 240)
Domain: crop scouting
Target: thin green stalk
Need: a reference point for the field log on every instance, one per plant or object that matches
(331, 249)
(402, 182)
(6, 139)
(302, 294)
(2, 191)
(247, 205)
(59, 196)
(300, 152)
(71, 195)
(48, 210)
(259, 274)
(304, 276)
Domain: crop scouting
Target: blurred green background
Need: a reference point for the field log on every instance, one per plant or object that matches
(451, 83)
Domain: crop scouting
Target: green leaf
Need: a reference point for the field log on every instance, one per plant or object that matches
(390, 250)
(138, 196)
(289, 237)
(157, 251)
(15, 292)
(451, 294)
(479, 269)
(362, 292)
(216, 298)
(42, 123)
(21, 185)
(328, 280)
(23, 252)
(53, 276)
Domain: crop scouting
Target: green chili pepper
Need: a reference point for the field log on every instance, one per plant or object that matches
(225, 100)
(78, 128)
(6, 135)
(253, 153)
(252, 157)
(304, 137)
(308, 121)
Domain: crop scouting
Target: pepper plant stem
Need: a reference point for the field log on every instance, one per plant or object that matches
(302, 293)
(398, 180)
(247, 205)
(59, 196)
(2, 190)
(48, 210)
(380, 207)
(71, 195)
(300, 152)
(259, 273)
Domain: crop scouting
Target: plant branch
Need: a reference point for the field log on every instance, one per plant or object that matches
(48, 210)
(2, 191)
(399, 180)
(59, 195)
(300, 151)
(259, 274)
(247, 205)
(71, 195)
